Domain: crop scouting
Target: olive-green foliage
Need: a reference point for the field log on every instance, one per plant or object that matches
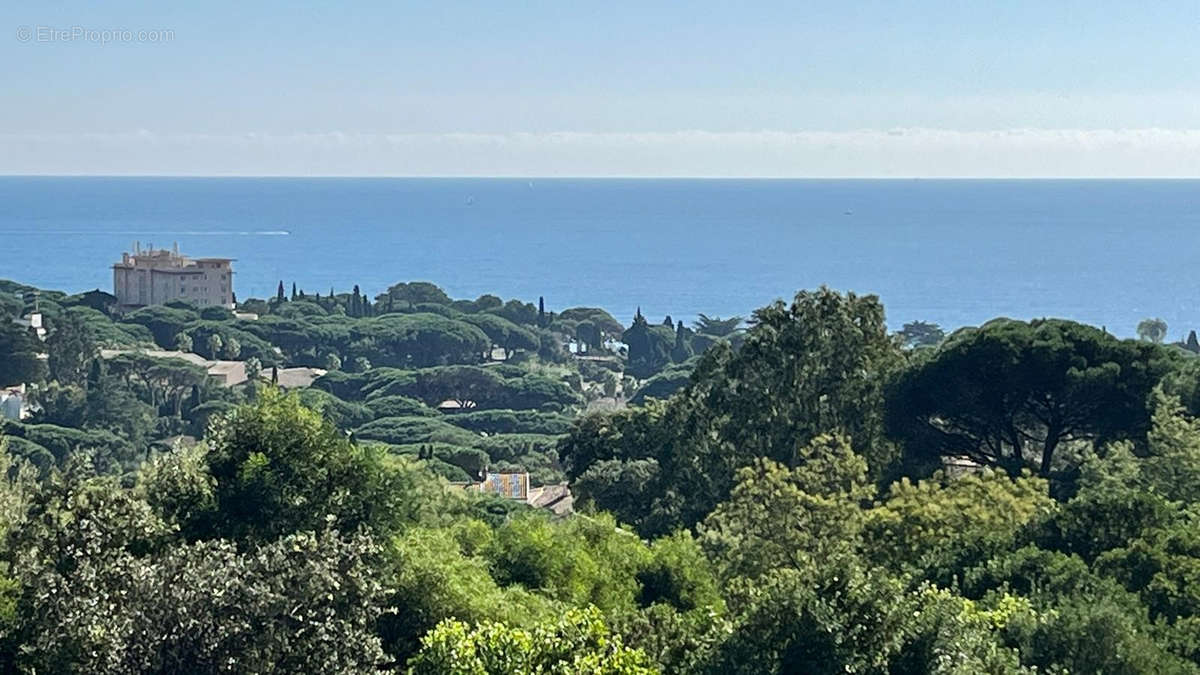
(19, 349)
(815, 366)
(1093, 634)
(65, 441)
(201, 415)
(280, 467)
(300, 308)
(416, 340)
(438, 576)
(778, 518)
(346, 386)
(249, 344)
(769, 536)
(108, 605)
(163, 322)
(677, 574)
(934, 526)
(676, 641)
(381, 382)
(409, 430)
(665, 383)
(522, 313)
(950, 635)
(448, 471)
(105, 333)
(579, 642)
(601, 318)
(836, 618)
(611, 462)
(555, 560)
(512, 422)
(479, 388)
(504, 333)
(415, 292)
(344, 414)
(24, 449)
(472, 461)
(511, 446)
(399, 406)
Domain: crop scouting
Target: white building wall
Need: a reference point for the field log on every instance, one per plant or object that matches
(156, 277)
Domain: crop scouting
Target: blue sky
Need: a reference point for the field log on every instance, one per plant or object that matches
(615, 88)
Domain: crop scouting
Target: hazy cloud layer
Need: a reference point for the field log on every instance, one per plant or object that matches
(899, 152)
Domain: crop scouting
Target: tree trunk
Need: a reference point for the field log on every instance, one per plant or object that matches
(1048, 447)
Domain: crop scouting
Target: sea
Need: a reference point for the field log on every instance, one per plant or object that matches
(952, 252)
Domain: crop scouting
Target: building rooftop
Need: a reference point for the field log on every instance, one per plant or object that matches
(293, 378)
(214, 367)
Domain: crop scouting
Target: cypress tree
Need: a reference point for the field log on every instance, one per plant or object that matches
(542, 311)
(682, 351)
(279, 296)
(96, 373)
(293, 290)
(364, 303)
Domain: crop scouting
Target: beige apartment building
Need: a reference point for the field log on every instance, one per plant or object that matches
(152, 277)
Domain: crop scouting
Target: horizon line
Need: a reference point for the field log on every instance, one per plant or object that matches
(593, 177)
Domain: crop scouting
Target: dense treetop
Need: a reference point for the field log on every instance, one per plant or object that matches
(797, 492)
